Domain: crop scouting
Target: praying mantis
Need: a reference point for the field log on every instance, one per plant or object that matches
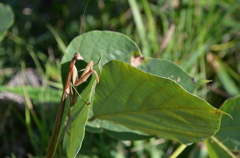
(73, 74)
(71, 80)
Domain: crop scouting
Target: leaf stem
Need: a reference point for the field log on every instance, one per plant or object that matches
(223, 147)
(178, 151)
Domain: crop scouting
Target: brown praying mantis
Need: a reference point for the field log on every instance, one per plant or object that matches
(73, 74)
(71, 80)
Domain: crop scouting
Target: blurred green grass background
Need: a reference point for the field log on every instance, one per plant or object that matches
(202, 37)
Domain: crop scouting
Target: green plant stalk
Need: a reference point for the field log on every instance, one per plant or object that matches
(140, 26)
(228, 82)
(151, 27)
(37, 63)
(231, 72)
(28, 122)
(30, 112)
(60, 42)
(171, 44)
(54, 84)
(225, 78)
(28, 119)
(203, 75)
(223, 147)
(178, 151)
(41, 121)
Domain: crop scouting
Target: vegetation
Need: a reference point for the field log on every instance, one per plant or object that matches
(201, 37)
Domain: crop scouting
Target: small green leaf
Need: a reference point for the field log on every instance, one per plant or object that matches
(227, 139)
(106, 45)
(76, 124)
(168, 69)
(153, 105)
(75, 133)
(230, 125)
(6, 18)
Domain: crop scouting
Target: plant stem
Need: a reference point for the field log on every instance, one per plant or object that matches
(223, 147)
(178, 151)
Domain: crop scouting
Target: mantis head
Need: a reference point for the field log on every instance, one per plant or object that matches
(77, 56)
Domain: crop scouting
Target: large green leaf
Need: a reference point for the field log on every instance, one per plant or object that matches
(152, 104)
(227, 139)
(6, 18)
(104, 45)
(157, 67)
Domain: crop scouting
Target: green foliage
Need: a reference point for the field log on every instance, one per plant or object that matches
(73, 138)
(226, 141)
(6, 18)
(199, 36)
(35, 93)
(135, 99)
